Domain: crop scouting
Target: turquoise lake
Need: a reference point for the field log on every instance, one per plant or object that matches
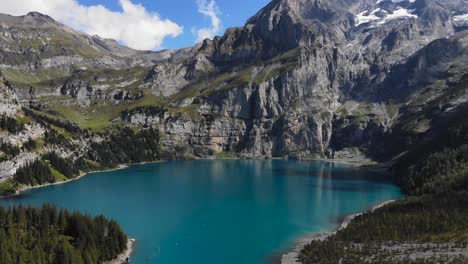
(219, 211)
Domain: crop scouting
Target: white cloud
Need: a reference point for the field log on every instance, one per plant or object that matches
(134, 25)
(211, 10)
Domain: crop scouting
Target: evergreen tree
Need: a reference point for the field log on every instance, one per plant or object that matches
(47, 235)
(34, 173)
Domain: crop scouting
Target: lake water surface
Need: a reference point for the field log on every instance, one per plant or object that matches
(219, 211)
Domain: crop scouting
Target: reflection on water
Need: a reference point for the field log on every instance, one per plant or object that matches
(219, 211)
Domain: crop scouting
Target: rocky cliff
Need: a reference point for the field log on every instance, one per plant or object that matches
(302, 78)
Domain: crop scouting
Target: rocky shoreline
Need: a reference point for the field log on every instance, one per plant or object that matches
(292, 256)
(125, 256)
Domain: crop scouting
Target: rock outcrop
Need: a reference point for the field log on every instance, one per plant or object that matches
(8, 99)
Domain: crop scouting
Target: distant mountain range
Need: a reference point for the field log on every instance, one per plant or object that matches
(348, 79)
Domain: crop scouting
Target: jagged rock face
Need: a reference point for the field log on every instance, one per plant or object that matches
(301, 77)
(167, 79)
(279, 27)
(426, 66)
(84, 92)
(9, 106)
(8, 99)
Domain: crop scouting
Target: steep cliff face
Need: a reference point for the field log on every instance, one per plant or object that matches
(11, 136)
(301, 78)
(8, 99)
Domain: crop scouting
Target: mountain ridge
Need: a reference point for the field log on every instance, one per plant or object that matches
(292, 82)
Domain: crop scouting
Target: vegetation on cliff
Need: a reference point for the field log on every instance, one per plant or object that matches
(10, 124)
(126, 146)
(34, 173)
(119, 145)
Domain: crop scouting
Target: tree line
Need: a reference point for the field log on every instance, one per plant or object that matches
(48, 235)
(126, 146)
(34, 173)
(10, 124)
(47, 121)
(38, 172)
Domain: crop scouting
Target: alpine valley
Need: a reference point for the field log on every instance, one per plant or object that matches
(380, 83)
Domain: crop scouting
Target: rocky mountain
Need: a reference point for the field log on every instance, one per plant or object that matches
(301, 79)
(35, 42)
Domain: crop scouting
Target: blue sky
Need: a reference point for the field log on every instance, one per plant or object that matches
(184, 12)
(178, 23)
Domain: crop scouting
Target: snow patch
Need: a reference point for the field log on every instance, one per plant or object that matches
(461, 18)
(382, 16)
(396, 1)
(397, 14)
(366, 17)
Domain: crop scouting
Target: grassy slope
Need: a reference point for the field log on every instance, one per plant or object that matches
(98, 116)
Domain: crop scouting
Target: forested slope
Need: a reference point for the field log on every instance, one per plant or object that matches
(48, 235)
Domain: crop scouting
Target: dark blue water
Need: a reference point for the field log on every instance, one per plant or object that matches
(219, 211)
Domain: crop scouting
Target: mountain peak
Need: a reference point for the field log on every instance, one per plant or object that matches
(40, 16)
(37, 14)
(30, 20)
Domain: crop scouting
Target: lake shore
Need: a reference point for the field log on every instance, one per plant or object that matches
(292, 256)
(27, 188)
(124, 257)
